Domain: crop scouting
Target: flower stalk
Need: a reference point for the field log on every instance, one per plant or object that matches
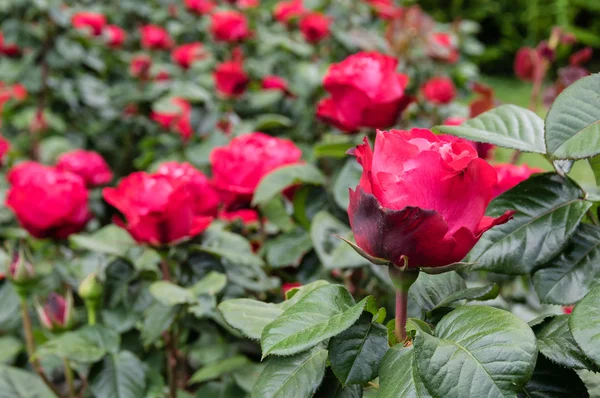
(402, 278)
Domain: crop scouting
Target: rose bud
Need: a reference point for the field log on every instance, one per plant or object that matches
(314, 27)
(186, 54)
(48, 203)
(525, 63)
(439, 90)
(88, 165)
(510, 175)
(155, 38)
(157, 209)
(238, 167)
(271, 82)
(90, 21)
(91, 288)
(230, 26)
(208, 198)
(230, 79)
(568, 310)
(421, 199)
(441, 46)
(4, 149)
(57, 313)
(140, 66)
(286, 11)
(366, 91)
(179, 120)
(581, 57)
(199, 7)
(20, 270)
(115, 36)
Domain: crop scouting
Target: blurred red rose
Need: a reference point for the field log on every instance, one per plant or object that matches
(199, 6)
(4, 148)
(526, 60)
(230, 78)
(238, 167)
(16, 92)
(88, 165)
(454, 121)
(246, 216)
(155, 38)
(162, 76)
(439, 90)
(366, 91)
(157, 209)
(48, 203)
(115, 36)
(581, 57)
(568, 309)
(285, 11)
(178, 119)
(314, 27)
(441, 46)
(207, 198)
(243, 4)
(289, 286)
(510, 175)
(186, 54)
(271, 82)
(421, 196)
(140, 66)
(10, 50)
(386, 9)
(93, 22)
(230, 26)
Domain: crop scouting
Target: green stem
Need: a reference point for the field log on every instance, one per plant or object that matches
(90, 305)
(401, 310)
(70, 378)
(402, 278)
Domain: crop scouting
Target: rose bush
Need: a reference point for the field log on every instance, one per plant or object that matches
(182, 213)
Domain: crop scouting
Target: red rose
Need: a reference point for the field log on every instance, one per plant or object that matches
(162, 76)
(454, 121)
(179, 120)
(90, 21)
(525, 63)
(186, 54)
(157, 209)
(4, 148)
(208, 201)
(140, 66)
(238, 167)
(230, 26)
(366, 91)
(156, 38)
(48, 203)
(246, 216)
(510, 175)
(421, 196)
(314, 27)
(10, 50)
(199, 6)
(285, 11)
(115, 36)
(271, 82)
(439, 90)
(386, 9)
(581, 57)
(88, 165)
(230, 78)
(441, 46)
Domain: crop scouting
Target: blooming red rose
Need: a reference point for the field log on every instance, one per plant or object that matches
(314, 27)
(581, 57)
(526, 60)
(271, 82)
(439, 90)
(422, 197)
(441, 46)
(366, 91)
(238, 167)
(199, 7)
(386, 9)
(4, 148)
(140, 66)
(230, 78)
(186, 54)
(115, 36)
(285, 11)
(157, 209)
(178, 120)
(156, 38)
(93, 22)
(88, 165)
(48, 203)
(207, 198)
(510, 175)
(229, 26)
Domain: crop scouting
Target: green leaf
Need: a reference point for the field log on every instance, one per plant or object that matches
(17, 383)
(480, 293)
(508, 126)
(349, 177)
(168, 293)
(288, 249)
(249, 316)
(332, 149)
(549, 209)
(122, 376)
(332, 388)
(568, 277)
(321, 314)
(10, 347)
(86, 345)
(199, 154)
(215, 370)
(271, 121)
(211, 284)
(584, 324)
(431, 290)
(296, 376)
(477, 351)
(283, 177)
(552, 381)
(398, 375)
(356, 353)
(573, 121)
(276, 212)
(110, 240)
(595, 165)
(555, 341)
(157, 318)
(247, 376)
